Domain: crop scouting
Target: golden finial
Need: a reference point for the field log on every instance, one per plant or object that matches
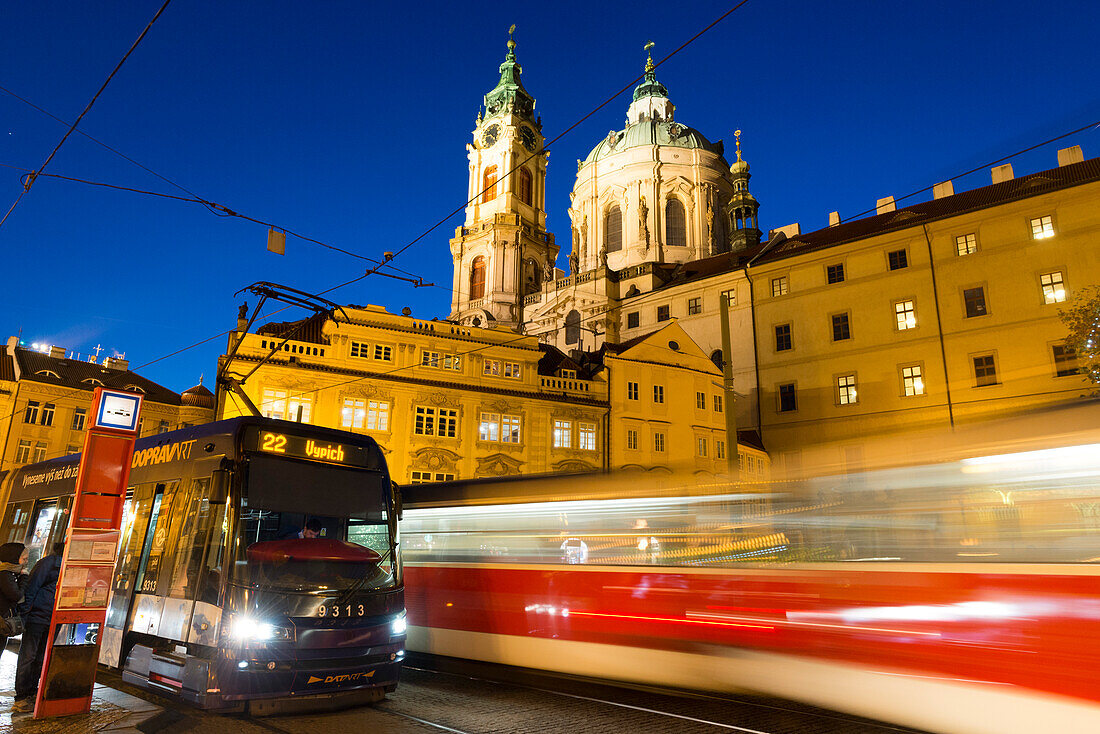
(511, 43)
(649, 56)
(737, 140)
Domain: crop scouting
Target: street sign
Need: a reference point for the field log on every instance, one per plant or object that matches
(84, 583)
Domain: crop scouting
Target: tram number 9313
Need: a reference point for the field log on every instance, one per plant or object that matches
(340, 610)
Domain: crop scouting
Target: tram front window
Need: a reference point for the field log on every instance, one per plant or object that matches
(308, 527)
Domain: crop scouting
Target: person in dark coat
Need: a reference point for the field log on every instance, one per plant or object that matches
(13, 556)
(37, 610)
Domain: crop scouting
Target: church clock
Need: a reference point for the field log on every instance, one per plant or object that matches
(527, 137)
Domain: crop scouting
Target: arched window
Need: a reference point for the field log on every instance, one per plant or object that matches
(675, 224)
(477, 278)
(716, 357)
(489, 184)
(523, 186)
(613, 229)
(573, 325)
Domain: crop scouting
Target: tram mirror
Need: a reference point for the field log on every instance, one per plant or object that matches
(396, 499)
(219, 487)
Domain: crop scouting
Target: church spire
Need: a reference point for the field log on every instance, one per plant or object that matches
(509, 94)
(743, 205)
(650, 97)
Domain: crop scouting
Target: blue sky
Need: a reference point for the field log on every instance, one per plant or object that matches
(347, 121)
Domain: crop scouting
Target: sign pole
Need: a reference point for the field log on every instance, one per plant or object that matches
(91, 547)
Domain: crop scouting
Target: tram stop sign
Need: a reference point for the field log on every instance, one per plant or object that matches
(83, 586)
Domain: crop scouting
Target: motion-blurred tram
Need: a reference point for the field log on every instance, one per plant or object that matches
(961, 596)
(258, 564)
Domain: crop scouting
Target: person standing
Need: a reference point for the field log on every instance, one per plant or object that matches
(13, 556)
(37, 610)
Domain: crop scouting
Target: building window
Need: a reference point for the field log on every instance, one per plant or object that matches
(477, 278)
(80, 415)
(47, 414)
(489, 428)
(779, 286)
(1065, 360)
(424, 477)
(568, 374)
(631, 439)
(1054, 290)
(164, 427)
(966, 244)
(429, 359)
(613, 229)
(787, 400)
(658, 393)
(985, 371)
(719, 449)
(675, 224)
(512, 370)
(905, 315)
(23, 452)
(489, 185)
(509, 428)
(834, 273)
(659, 442)
(841, 328)
(701, 400)
(436, 422)
(360, 350)
(1042, 227)
(563, 434)
(631, 391)
(782, 337)
(974, 300)
(846, 389)
(378, 415)
(632, 320)
(663, 313)
(695, 305)
(354, 413)
(717, 403)
(491, 368)
(897, 259)
(912, 381)
(383, 353)
(586, 432)
(72, 449)
(700, 446)
(523, 183)
(730, 296)
(30, 415)
(39, 451)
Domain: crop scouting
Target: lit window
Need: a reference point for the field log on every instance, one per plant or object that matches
(631, 439)
(452, 362)
(39, 451)
(383, 353)
(378, 415)
(1054, 290)
(632, 320)
(966, 244)
(841, 328)
(897, 259)
(354, 413)
(695, 305)
(905, 314)
(423, 477)
(782, 337)
(586, 432)
(631, 391)
(719, 449)
(1042, 227)
(834, 273)
(563, 434)
(477, 278)
(717, 403)
(700, 446)
(80, 415)
(273, 403)
(30, 415)
(489, 428)
(489, 185)
(846, 390)
(509, 428)
(912, 381)
(985, 371)
(1065, 360)
(360, 350)
(730, 296)
(436, 422)
(974, 301)
(658, 393)
(429, 359)
(787, 400)
(23, 452)
(663, 313)
(569, 374)
(47, 414)
(701, 400)
(779, 286)
(512, 370)
(659, 442)
(491, 368)
(524, 186)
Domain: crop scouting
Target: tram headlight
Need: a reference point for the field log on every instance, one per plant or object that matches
(244, 628)
(399, 625)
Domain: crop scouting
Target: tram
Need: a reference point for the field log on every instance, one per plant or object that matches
(258, 565)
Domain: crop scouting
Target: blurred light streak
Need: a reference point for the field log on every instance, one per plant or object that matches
(822, 625)
(672, 620)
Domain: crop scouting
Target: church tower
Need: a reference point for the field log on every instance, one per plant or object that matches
(503, 253)
(743, 206)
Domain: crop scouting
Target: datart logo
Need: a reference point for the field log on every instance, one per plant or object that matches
(339, 679)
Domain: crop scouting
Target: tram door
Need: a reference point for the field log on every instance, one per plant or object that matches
(139, 529)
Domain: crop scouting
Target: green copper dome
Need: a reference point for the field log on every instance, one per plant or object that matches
(509, 94)
(652, 132)
(650, 87)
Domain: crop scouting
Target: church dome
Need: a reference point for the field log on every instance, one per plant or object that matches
(652, 132)
(198, 397)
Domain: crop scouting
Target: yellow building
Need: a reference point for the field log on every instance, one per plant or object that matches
(45, 398)
(937, 315)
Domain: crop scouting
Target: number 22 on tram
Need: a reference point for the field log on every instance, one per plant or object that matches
(257, 567)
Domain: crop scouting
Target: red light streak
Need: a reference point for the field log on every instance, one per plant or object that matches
(671, 620)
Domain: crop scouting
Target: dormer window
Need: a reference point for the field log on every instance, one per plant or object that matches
(48, 373)
(133, 388)
(569, 374)
(92, 381)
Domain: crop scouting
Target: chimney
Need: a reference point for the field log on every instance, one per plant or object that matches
(1002, 173)
(885, 205)
(116, 363)
(834, 219)
(1069, 156)
(57, 352)
(791, 230)
(941, 190)
(13, 342)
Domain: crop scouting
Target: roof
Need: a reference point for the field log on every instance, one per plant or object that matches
(750, 438)
(303, 330)
(198, 396)
(553, 360)
(7, 368)
(652, 132)
(1015, 189)
(78, 374)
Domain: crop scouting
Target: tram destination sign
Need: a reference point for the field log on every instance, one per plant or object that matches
(294, 446)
